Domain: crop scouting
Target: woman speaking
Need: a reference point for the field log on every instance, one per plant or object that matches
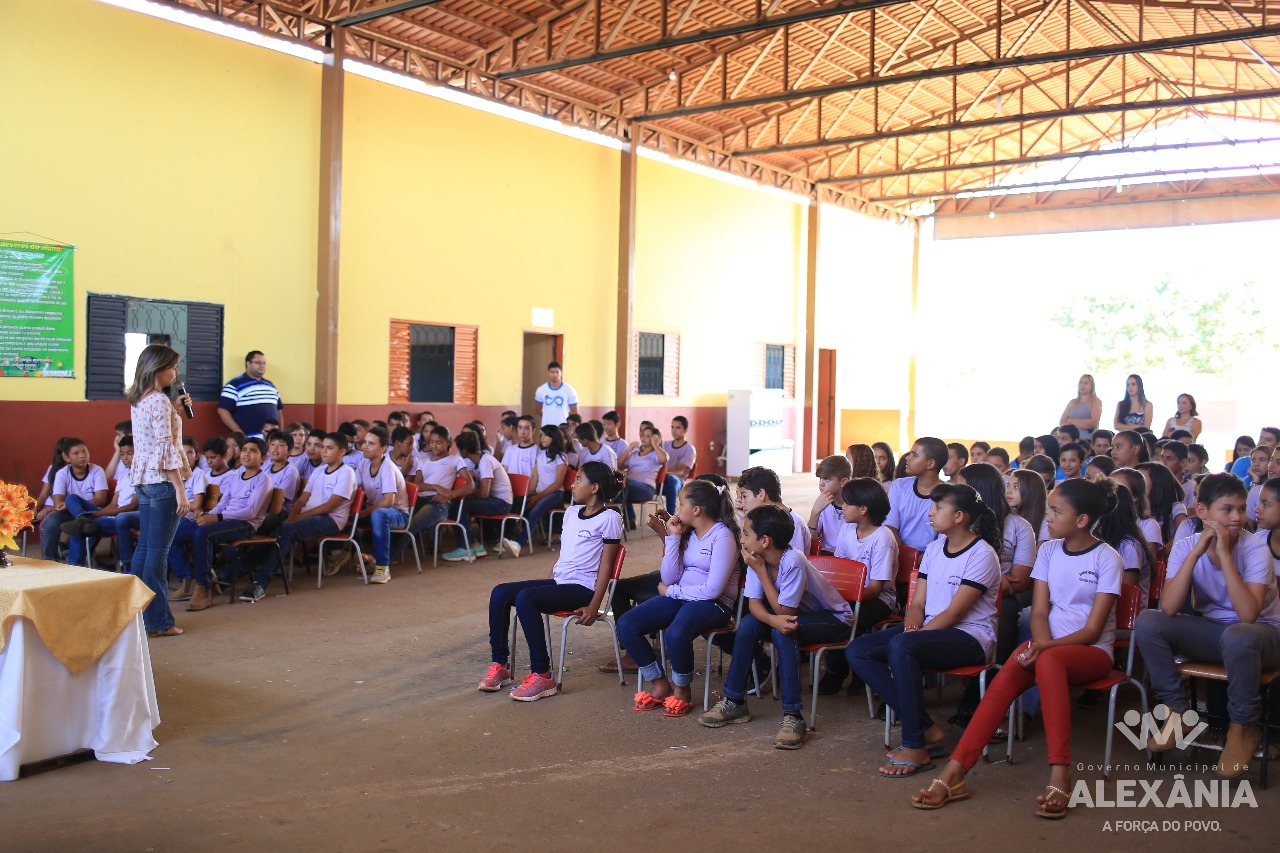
(158, 471)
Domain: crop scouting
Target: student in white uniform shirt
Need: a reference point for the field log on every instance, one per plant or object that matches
(283, 473)
(612, 438)
(386, 502)
(826, 518)
(641, 462)
(85, 529)
(910, 503)
(791, 605)
(761, 487)
(1077, 581)
(950, 622)
(1269, 518)
(401, 453)
(215, 454)
(580, 578)
(1119, 529)
(546, 486)
(194, 486)
(78, 487)
(591, 449)
(519, 458)
(490, 495)
(1164, 494)
(1232, 582)
(1132, 479)
(438, 470)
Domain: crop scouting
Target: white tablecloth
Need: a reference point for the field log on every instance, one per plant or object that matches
(45, 711)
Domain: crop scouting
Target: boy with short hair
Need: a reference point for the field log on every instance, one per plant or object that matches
(957, 458)
(215, 454)
(114, 469)
(312, 455)
(386, 501)
(1183, 436)
(437, 472)
(520, 457)
(401, 453)
(355, 441)
(1100, 443)
(909, 496)
(591, 450)
(106, 521)
(490, 494)
(791, 604)
(999, 457)
(826, 519)
(555, 398)
(1067, 434)
(1071, 460)
(284, 476)
(682, 456)
(612, 438)
(760, 486)
(507, 437)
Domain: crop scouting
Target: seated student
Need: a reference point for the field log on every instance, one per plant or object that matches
(270, 425)
(1119, 529)
(578, 582)
(978, 451)
(1100, 443)
(78, 487)
(957, 458)
(284, 476)
(826, 519)
(489, 495)
(1164, 496)
(298, 433)
(323, 509)
(355, 432)
(1099, 468)
(194, 486)
(1133, 480)
(1267, 437)
(437, 472)
(1173, 455)
(546, 486)
(312, 455)
(1045, 467)
(521, 456)
(1269, 517)
(1026, 449)
(590, 449)
(1067, 434)
(641, 462)
(910, 504)
(1017, 555)
(1128, 449)
(507, 438)
(106, 521)
(1047, 445)
(1259, 458)
(235, 440)
(612, 438)
(696, 595)
(571, 446)
(1077, 582)
(113, 469)
(574, 420)
(761, 487)
(45, 499)
(862, 461)
(682, 457)
(245, 497)
(1071, 461)
(401, 453)
(386, 502)
(886, 466)
(215, 455)
(999, 457)
(1232, 582)
(865, 539)
(791, 604)
(1028, 499)
(1197, 463)
(950, 622)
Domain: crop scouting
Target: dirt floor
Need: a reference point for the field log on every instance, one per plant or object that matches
(347, 719)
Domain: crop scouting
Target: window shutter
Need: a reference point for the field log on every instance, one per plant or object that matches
(635, 363)
(104, 350)
(398, 377)
(789, 372)
(671, 366)
(761, 357)
(204, 351)
(465, 348)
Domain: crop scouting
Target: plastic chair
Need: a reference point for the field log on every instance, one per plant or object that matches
(710, 638)
(519, 489)
(1159, 572)
(849, 578)
(570, 477)
(658, 502)
(456, 521)
(357, 503)
(411, 491)
(570, 618)
(815, 546)
(276, 505)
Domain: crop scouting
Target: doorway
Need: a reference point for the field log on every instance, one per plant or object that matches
(539, 350)
(825, 403)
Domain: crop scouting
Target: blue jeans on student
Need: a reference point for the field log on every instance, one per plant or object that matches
(555, 500)
(51, 533)
(126, 523)
(636, 493)
(481, 506)
(531, 599)
(821, 627)
(178, 559)
(109, 525)
(158, 519)
(380, 522)
(683, 620)
(891, 663)
(427, 516)
(293, 532)
(76, 507)
(206, 539)
(671, 487)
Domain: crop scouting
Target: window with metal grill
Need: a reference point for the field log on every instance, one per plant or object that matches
(774, 366)
(652, 363)
(119, 328)
(431, 364)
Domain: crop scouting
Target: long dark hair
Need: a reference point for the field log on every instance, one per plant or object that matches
(610, 482)
(982, 519)
(1051, 448)
(1089, 498)
(715, 501)
(1132, 478)
(61, 447)
(1165, 492)
(556, 447)
(1121, 523)
(987, 482)
(886, 473)
(1122, 408)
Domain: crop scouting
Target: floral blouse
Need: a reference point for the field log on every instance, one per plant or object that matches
(157, 441)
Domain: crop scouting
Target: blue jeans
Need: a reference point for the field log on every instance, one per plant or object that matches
(671, 487)
(683, 620)
(126, 523)
(636, 493)
(76, 507)
(380, 522)
(51, 533)
(820, 627)
(481, 506)
(290, 532)
(427, 516)
(555, 500)
(206, 539)
(158, 519)
(178, 559)
(891, 661)
(531, 599)
(110, 525)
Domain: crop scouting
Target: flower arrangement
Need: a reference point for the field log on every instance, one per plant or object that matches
(17, 509)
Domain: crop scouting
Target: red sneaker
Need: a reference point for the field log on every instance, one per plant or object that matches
(535, 687)
(496, 678)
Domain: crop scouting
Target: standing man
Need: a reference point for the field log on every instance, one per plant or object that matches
(681, 459)
(555, 398)
(250, 400)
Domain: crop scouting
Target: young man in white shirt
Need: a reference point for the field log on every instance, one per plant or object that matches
(681, 459)
(612, 437)
(386, 502)
(555, 398)
(591, 449)
(520, 456)
(490, 495)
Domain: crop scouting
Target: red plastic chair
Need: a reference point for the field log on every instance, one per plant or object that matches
(357, 503)
(606, 617)
(815, 546)
(520, 491)
(849, 577)
(570, 477)
(710, 637)
(456, 521)
(1158, 574)
(658, 501)
(411, 491)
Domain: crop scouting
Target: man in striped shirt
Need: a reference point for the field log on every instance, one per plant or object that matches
(250, 400)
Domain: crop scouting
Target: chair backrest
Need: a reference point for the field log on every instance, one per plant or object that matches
(1128, 606)
(1158, 573)
(411, 493)
(570, 477)
(277, 502)
(211, 496)
(815, 545)
(848, 577)
(519, 485)
(458, 483)
(662, 479)
(908, 563)
(607, 603)
(357, 504)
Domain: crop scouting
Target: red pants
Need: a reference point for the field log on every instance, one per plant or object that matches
(1054, 671)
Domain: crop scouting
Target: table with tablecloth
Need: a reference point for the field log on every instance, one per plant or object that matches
(75, 669)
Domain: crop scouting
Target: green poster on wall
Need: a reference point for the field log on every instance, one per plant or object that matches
(37, 318)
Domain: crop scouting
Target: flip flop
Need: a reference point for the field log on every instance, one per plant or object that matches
(612, 668)
(936, 750)
(915, 769)
(676, 707)
(1043, 812)
(645, 702)
(175, 631)
(958, 791)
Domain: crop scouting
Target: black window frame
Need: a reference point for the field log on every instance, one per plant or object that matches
(651, 363)
(775, 367)
(432, 367)
(107, 319)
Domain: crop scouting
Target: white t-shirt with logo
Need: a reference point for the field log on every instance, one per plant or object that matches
(909, 514)
(555, 402)
(549, 471)
(605, 454)
(440, 472)
(978, 566)
(520, 460)
(388, 480)
(583, 542)
(324, 485)
(801, 586)
(1208, 588)
(65, 482)
(1075, 579)
(1019, 543)
(878, 552)
(490, 469)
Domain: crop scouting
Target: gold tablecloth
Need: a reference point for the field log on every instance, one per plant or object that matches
(78, 612)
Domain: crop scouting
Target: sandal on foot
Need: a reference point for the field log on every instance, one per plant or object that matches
(676, 707)
(612, 668)
(915, 769)
(935, 750)
(645, 702)
(1053, 791)
(167, 632)
(958, 791)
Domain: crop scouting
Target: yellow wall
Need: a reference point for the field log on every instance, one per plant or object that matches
(723, 267)
(182, 165)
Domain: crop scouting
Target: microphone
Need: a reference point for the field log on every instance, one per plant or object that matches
(186, 407)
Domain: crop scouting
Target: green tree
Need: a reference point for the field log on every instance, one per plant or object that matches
(1166, 326)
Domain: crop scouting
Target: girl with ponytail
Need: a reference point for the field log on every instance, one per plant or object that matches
(1077, 580)
(949, 622)
(700, 570)
(580, 578)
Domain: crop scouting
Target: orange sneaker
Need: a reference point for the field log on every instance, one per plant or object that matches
(496, 678)
(535, 687)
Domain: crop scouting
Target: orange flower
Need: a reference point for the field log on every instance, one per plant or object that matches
(17, 510)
